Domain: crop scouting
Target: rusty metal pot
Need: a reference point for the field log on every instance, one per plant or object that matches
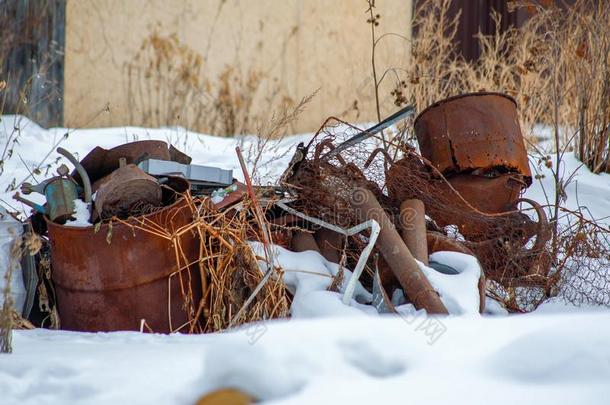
(112, 286)
(478, 196)
(489, 194)
(119, 192)
(476, 131)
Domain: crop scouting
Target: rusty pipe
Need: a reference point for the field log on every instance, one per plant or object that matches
(413, 228)
(413, 281)
(302, 241)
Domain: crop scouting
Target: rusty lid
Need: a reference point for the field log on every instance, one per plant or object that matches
(452, 98)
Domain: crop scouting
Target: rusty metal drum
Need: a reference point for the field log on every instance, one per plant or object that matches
(112, 285)
(489, 195)
(473, 132)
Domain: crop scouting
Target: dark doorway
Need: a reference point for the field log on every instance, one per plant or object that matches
(32, 37)
(476, 15)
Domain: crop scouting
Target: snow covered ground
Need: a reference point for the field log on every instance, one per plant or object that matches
(559, 354)
(528, 359)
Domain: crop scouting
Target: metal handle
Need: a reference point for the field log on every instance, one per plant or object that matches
(81, 170)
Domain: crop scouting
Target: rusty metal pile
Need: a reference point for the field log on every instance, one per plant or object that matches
(165, 245)
(467, 179)
(160, 247)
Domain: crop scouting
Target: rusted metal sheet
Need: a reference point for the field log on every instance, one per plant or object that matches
(101, 162)
(473, 132)
(112, 286)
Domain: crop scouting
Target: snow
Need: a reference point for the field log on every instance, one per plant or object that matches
(587, 190)
(537, 359)
(81, 214)
(459, 292)
(308, 275)
(328, 352)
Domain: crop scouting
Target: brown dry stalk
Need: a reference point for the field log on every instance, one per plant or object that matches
(6, 312)
(556, 66)
(226, 266)
(168, 83)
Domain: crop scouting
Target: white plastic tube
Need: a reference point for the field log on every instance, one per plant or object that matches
(364, 256)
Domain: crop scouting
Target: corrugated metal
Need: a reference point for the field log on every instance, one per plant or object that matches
(33, 62)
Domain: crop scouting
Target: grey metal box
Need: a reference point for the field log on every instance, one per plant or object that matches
(193, 173)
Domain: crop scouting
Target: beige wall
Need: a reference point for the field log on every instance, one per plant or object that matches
(302, 45)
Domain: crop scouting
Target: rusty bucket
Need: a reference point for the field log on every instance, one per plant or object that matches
(111, 279)
(473, 132)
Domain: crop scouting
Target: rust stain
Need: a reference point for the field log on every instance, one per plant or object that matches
(113, 286)
(477, 131)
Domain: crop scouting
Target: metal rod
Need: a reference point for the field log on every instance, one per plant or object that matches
(367, 133)
(413, 228)
(396, 254)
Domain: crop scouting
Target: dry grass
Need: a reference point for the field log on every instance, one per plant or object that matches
(227, 268)
(6, 311)
(164, 83)
(509, 62)
(168, 84)
(557, 67)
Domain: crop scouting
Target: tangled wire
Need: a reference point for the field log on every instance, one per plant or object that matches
(525, 259)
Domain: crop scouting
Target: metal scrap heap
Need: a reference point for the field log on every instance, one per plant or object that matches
(138, 238)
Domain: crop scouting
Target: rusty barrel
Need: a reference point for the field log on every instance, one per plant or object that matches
(476, 131)
(112, 279)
